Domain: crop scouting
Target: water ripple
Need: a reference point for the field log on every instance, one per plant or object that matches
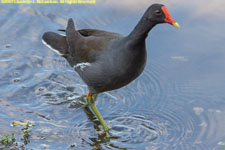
(127, 132)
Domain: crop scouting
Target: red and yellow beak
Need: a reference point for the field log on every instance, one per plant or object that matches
(168, 18)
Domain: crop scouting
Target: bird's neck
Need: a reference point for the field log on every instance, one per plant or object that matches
(141, 30)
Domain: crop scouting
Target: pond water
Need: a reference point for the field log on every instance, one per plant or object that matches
(178, 103)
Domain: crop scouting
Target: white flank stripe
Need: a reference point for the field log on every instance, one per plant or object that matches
(49, 46)
(82, 65)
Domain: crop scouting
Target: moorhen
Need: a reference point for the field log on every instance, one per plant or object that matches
(106, 60)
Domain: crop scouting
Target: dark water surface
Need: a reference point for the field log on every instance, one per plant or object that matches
(178, 103)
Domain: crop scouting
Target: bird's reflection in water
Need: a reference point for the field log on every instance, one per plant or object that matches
(101, 139)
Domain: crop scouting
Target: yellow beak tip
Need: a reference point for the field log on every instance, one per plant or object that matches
(175, 24)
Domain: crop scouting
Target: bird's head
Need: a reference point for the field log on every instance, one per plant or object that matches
(158, 13)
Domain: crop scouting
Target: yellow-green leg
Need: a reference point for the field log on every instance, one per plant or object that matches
(94, 96)
(91, 103)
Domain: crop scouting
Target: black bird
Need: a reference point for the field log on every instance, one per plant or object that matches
(106, 60)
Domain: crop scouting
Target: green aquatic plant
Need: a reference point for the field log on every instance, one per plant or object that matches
(26, 136)
(6, 140)
(27, 126)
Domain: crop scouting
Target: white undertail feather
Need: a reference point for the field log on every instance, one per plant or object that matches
(49, 46)
(62, 34)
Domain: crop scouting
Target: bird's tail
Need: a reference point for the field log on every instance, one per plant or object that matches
(56, 42)
(72, 35)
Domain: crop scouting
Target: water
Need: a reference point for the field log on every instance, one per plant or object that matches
(178, 103)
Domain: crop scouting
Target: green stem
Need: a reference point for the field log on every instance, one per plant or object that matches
(98, 115)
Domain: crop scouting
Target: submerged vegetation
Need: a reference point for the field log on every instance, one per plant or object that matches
(6, 140)
(9, 141)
